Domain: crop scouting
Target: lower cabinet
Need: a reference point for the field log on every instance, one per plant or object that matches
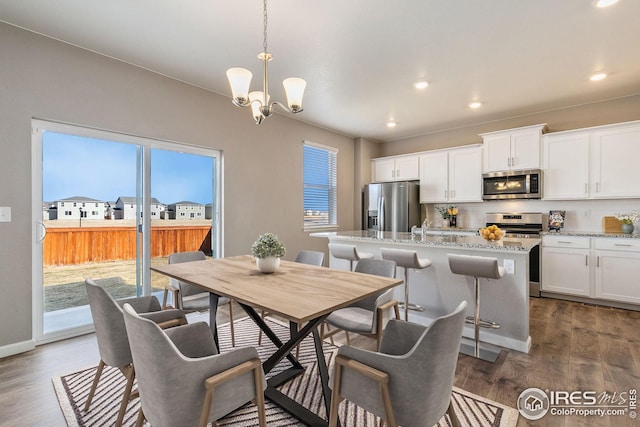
(617, 270)
(566, 265)
(598, 268)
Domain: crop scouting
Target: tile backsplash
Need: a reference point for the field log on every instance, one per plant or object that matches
(581, 215)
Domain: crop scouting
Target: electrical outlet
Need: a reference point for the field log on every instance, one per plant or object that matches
(509, 266)
(5, 214)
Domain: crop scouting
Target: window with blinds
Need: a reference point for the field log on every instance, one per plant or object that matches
(320, 186)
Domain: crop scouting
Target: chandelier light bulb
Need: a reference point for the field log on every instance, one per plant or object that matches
(261, 108)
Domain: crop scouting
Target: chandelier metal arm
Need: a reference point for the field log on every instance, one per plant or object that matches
(240, 79)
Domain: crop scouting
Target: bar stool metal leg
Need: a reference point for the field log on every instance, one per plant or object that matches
(406, 305)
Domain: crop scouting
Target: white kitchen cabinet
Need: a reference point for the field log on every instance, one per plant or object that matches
(614, 162)
(513, 149)
(566, 265)
(453, 175)
(566, 165)
(617, 269)
(592, 163)
(397, 168)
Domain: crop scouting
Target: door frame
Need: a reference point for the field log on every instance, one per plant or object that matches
(145, 145)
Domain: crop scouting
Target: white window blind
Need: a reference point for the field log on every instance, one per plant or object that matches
(320, 186)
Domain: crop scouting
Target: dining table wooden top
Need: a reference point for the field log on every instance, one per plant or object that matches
(296, 291)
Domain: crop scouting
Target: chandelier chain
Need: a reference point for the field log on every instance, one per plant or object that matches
(264, 43)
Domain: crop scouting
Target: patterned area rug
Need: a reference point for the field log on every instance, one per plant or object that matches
(72, 390)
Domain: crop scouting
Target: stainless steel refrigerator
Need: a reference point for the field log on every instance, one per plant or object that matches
(391, 206)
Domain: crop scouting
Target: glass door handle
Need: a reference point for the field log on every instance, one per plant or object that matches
(41, 231)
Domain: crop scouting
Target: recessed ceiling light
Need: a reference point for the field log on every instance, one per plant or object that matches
(391, 124)
(475, 104)
(598, 77)
(423, 84)
(605, 3)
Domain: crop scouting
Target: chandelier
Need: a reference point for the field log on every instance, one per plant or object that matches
(240, 80)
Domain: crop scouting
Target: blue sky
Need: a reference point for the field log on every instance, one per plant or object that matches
(106, 170)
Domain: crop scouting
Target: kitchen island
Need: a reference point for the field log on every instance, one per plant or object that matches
(505, 301)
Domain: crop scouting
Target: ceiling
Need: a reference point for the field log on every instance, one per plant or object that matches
(360, 58)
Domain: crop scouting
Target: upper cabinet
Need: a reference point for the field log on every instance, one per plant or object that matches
(513, 149)
(453, 175)
(398, 168)
(592, 163)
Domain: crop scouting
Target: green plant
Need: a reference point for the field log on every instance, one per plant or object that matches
(268, 245)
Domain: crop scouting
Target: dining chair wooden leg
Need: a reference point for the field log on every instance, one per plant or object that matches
(140, 419)
(335, 395)
(455, 422)
(262, 416)
(262, 315)
(96, 379)
(130, 373)
(233, 332)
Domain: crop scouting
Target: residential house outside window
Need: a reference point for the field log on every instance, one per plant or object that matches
(320, 186)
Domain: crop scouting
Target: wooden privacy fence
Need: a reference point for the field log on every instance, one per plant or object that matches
(69, 246)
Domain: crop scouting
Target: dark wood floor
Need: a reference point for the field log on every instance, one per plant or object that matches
(575, 347)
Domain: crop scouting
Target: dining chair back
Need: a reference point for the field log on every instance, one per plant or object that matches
(409, 381)
(111, 334)
(182, 379)
(310, 257)
(365, 316)
(191, 298)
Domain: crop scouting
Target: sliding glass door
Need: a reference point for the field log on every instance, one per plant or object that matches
(106, 206)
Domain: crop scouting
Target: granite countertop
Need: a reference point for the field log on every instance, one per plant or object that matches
(435, 240)
(590, 234)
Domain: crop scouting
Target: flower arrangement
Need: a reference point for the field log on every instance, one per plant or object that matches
(447, 211)
(628, 218)
(268, 245)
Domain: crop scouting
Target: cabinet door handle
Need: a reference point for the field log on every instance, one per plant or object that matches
(597, 187)
(598, 261)
(509, 161)
(452, 193)
(621, 244)
(445, 194)
(513, 161)
(397, 173)
(565, 242)
(586, 260)
(586, 188)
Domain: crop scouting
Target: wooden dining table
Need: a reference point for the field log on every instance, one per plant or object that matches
(300, 293)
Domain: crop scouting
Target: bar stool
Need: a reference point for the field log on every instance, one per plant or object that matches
(348, 252)
(478, 267)
(407, 259)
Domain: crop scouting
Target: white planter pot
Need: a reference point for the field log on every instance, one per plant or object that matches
(268, 264)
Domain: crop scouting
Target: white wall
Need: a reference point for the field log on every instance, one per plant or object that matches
(45, 79)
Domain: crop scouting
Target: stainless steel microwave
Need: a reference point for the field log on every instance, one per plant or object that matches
(523, 184)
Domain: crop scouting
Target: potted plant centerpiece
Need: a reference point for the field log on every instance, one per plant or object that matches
(627, 220)
(268, 249)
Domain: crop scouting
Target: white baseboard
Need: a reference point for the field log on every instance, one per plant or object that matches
(16, 348)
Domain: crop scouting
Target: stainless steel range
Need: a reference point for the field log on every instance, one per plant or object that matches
(523, 225)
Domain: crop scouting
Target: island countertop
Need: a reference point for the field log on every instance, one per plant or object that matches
(439, 291)
(450, 239)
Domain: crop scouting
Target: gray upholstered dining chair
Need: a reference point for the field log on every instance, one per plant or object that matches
(183, 381)
(409, 381)
(310, 257)
(189, 297)
(111, 335)
(366, 316)
(303, 257)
